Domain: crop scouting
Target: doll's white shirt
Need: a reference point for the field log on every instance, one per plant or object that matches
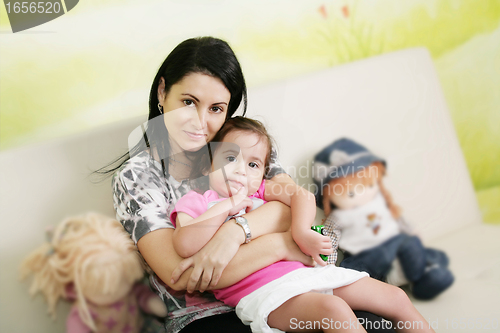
(366, 226)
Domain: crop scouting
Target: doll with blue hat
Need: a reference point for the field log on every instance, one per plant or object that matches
(363, 221)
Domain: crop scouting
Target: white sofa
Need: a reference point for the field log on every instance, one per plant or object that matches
(392, 103)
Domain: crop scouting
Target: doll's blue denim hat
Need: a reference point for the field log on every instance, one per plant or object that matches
(341, 158)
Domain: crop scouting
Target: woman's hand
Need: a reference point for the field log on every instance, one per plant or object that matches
(266, 250)
(209, 263)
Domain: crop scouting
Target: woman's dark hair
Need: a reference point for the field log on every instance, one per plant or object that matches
(206, 55)
(234, 124)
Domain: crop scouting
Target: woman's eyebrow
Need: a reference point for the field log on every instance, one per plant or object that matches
(196, 99)
(193, 97)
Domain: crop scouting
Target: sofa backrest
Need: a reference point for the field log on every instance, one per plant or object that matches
(393, 104)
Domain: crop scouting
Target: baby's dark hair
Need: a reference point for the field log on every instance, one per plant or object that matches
(237, 123)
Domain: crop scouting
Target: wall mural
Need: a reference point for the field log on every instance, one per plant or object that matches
(93, 65)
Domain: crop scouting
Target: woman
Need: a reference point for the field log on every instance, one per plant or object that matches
(199, 85)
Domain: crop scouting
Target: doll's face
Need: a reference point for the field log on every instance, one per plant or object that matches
(354, 190)
(96, 295)
(109, 276)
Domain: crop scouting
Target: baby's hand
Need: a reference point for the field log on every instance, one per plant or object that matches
(313, 244)
(240, 201)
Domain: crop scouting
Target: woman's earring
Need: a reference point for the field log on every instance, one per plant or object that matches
(160, 108)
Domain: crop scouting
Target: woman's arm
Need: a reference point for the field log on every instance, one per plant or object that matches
(207, 266)
(278, 245)
(190, 238)
(191, 234)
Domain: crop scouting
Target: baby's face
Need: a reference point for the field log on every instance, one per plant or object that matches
(241, 168)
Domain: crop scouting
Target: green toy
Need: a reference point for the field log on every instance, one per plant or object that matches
(319, 229)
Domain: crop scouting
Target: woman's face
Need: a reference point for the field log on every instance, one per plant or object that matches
(194, 110)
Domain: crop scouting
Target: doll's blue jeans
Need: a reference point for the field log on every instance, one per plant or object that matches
(377, 261)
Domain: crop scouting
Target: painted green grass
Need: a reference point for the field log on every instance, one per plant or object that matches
(37, 94)
(336, 34)
(470, 77)
(489, 203)
(30, 102)
(453, 23)
(4, 19)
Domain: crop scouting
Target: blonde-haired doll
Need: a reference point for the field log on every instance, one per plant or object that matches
(92, 261)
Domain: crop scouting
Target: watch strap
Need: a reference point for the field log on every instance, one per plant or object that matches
(243, 223)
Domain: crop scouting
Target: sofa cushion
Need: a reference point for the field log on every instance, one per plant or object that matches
(475, 294)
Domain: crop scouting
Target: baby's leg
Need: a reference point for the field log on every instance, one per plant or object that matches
(387, 301)
(313, 312)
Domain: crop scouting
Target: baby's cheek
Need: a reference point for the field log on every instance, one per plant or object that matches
(253, 184)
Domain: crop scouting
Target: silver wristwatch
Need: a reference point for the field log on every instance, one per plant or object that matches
(240, 220)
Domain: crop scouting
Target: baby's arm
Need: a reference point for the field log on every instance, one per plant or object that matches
(303, 209)
(193, 232)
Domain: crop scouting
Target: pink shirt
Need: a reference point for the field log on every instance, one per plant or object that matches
(194, 204)
(232, 294)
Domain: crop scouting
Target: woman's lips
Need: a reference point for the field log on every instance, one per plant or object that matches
(196, 136)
